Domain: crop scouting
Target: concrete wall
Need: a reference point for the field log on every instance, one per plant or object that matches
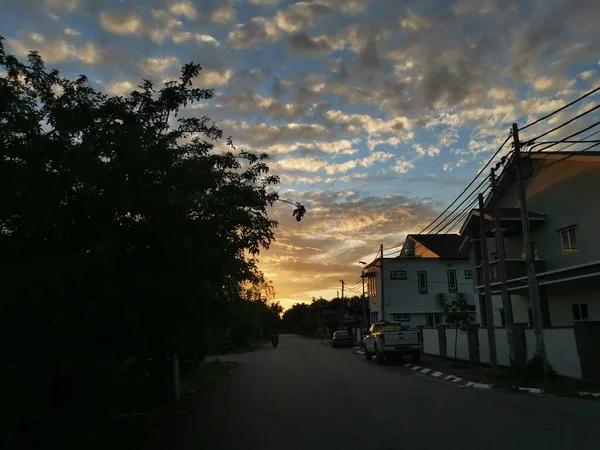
(561, 347)
(431, 343)
(462, 347)
(403, 297)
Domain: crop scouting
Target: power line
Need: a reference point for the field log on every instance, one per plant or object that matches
(470, 184)
(553, 144)
(570, 155)
(531, 141)
(559, 109)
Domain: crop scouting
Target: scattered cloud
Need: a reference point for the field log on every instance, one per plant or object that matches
(121, 22)
(55, 50)
(183, 8)
(223, 15)
(352, 99)
(402, 166)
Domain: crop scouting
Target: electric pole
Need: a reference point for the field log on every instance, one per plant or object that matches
(485, 270)
(382, 283)
(506, 301)
(362, 304)
(534, 290)
(342, 318)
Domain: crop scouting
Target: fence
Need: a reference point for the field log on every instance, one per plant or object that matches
(561, 347)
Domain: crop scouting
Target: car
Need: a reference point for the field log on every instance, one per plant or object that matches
(391, 339)
(342, 339)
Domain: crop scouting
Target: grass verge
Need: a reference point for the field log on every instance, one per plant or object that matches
(205, 377)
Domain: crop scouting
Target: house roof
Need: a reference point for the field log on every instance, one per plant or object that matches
(508, 175)
(446, 246)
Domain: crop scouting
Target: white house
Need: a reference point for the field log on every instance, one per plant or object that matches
(429, 269)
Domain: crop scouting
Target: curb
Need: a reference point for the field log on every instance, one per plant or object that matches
(437, 374)
(476, 385)
(448, 378)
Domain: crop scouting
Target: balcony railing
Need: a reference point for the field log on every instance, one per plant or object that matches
(515, 268)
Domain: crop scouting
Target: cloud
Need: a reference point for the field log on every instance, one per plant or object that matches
(300, 15)
(543, 84)
(121, 22)
(301, 164)
(213, 79)
(376, 157)
(120, 88)
(183, 8)
(402, 166)
(256, 30)
(69, 5)
(223, 15)
(303, 43)
(71, 32)
(159, 65)
(429, 151)
(368, 124)
(319, 252)
(207, 39)
(341, 167)
(181, 36)
(55, 51)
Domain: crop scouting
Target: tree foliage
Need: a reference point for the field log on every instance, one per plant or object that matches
(124, 235)
(302, 317)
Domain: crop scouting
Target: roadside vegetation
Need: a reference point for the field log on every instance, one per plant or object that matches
(129, 232)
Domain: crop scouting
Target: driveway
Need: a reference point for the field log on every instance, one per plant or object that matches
(305, 395)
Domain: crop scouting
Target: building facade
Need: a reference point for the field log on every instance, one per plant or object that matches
(563, 212)
(413, 287)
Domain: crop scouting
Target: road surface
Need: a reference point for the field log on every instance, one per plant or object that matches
(305, 395)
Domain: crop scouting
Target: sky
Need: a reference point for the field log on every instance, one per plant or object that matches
(375, 113)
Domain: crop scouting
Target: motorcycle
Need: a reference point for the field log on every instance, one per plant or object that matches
(275, 341)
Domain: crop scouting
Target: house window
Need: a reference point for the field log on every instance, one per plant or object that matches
(433, 320)
(468, 274)
(398, 274)
(452, 284)
(422, 281)
(580, 311)
(401, 317)
(569, 240)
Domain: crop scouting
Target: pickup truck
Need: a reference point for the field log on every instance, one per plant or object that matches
(391, 339)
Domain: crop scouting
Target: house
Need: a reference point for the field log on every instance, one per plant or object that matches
(430, 269)
(564, 214)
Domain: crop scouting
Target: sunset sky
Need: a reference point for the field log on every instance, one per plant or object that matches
(376, 113)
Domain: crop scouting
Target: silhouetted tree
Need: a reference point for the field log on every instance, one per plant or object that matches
(123, 236)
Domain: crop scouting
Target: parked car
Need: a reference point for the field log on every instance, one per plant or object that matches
(342, 339)
(391, 339)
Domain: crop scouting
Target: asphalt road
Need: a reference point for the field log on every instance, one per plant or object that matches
(305, 395)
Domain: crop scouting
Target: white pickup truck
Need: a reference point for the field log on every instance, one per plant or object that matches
(391, 339)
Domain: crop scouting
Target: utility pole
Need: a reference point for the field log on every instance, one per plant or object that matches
(382, 284)
(362, 304)
(485, 270)
(342, 318)
(506, 301)
(534, 289)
